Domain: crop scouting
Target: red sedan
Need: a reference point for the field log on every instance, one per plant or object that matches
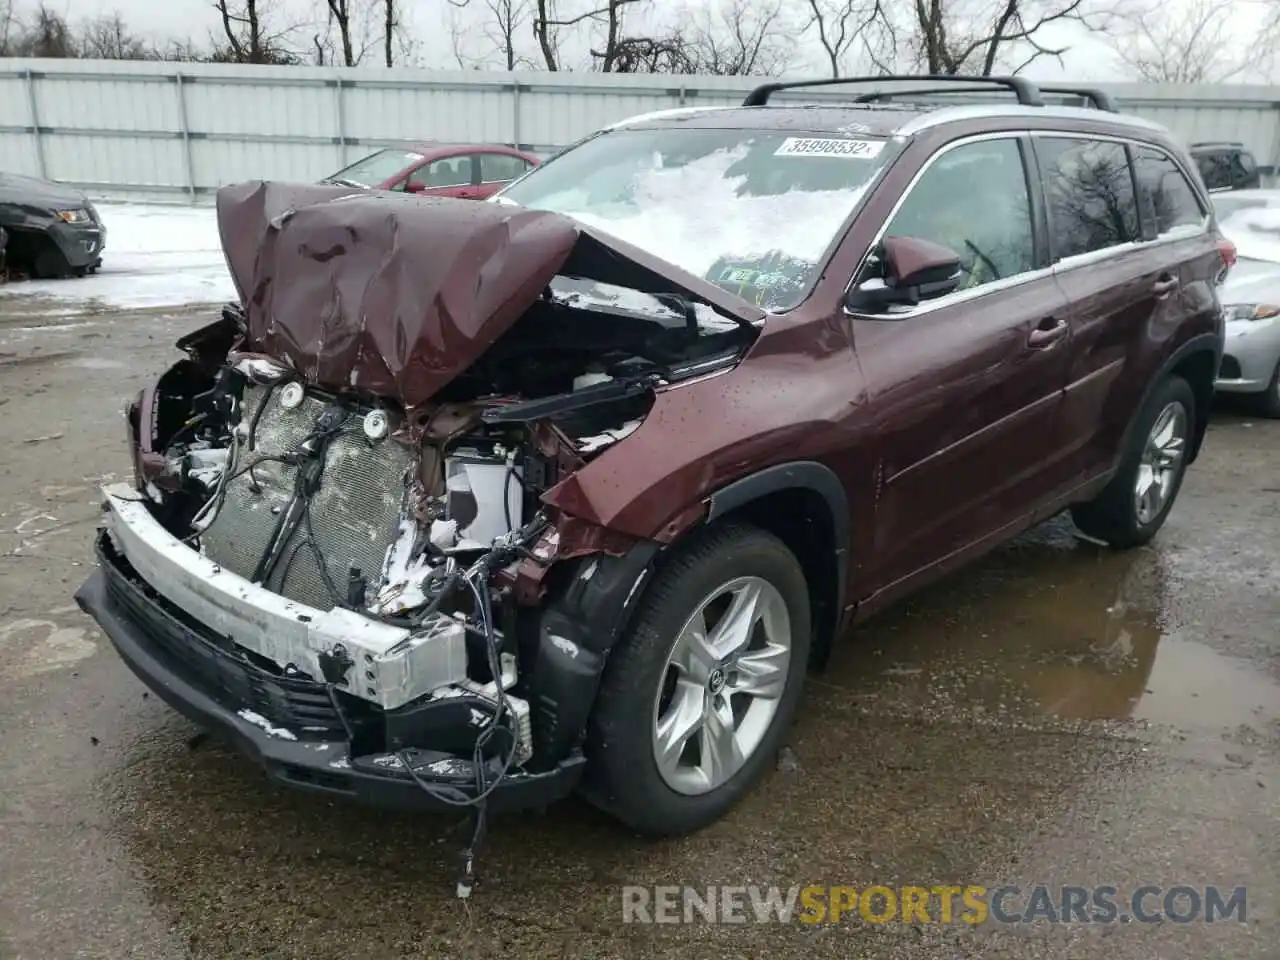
(442, 170)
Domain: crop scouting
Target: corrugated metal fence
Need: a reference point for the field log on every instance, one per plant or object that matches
(181, 130)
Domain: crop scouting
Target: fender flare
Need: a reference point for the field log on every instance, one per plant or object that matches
(802, 475)
(1201, 343)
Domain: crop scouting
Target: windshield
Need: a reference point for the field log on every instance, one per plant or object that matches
(1252, 224)
(376, 168)
(754, 212)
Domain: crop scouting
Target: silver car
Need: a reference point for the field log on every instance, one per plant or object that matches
(1251, 296)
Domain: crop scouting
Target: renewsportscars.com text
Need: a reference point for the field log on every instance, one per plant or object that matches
(970, 904)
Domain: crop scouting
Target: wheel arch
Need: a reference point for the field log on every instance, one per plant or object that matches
(804, 504)
(1196, 361)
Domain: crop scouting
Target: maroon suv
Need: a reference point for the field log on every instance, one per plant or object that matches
(479, 503)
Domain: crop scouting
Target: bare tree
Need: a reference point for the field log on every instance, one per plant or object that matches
(503, 23)
(971, 36)
(741, 38)
(607, 56)
(390, 30)
(848, 26)
(108, 38)
(49, 36)
(249, 37)
(340, 18)
(546, 35)
(549, 19)
(1197, 43)
(10, 29)
(507, 19)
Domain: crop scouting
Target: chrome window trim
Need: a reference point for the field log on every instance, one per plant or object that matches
(1041, 273)
(1130, 142)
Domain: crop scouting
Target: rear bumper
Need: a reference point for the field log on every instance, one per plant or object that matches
(289, 725)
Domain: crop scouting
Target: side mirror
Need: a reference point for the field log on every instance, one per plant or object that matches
(414, 186)
(909, 270)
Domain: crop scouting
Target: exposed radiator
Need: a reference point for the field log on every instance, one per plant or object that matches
(354, 515)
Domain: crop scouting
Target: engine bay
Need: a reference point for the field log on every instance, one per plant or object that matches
(340, 501)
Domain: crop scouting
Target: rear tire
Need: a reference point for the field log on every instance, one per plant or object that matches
(677, 736)
(1133, 506)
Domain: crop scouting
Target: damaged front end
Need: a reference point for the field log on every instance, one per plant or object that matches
(339, 547)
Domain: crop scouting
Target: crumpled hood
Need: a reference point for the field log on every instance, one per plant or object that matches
(395, 294)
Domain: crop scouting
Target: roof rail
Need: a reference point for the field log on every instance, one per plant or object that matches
(1218, 143)
(1027, 93)
(1100, 99)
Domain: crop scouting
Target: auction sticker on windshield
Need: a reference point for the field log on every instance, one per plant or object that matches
(829, 147)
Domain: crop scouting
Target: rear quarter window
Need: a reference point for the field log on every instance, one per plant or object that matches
(1169, 203)
(1090, 195)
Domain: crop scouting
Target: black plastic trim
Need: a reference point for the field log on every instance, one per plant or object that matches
(1201, 343)
(575, 632)
(805, 475)
(1026, 92)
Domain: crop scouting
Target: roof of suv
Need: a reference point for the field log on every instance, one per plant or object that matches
(895, 119)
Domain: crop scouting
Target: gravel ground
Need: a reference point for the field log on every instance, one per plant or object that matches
(1056, 714)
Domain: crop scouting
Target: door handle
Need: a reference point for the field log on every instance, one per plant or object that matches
(1050, 331)
(1164, 285)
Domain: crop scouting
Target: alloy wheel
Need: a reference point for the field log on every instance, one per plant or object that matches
(723, 682)
(1160, 463)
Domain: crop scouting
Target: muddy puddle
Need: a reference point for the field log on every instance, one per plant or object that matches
(1054, 626)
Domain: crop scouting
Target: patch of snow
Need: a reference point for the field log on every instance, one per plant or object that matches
(591, 294)
(260, 369)
(659, 214)
(564, 645)
(155, 255)
(449, 768)
(258, 720)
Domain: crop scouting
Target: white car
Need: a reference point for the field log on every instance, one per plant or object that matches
(1251, 297)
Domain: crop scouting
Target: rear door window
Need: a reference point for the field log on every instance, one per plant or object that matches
(973, 200)
(1169, 202)
(500, 167)
(448, 172)
(1090, 195)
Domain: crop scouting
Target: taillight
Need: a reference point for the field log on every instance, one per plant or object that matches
(1226, 250)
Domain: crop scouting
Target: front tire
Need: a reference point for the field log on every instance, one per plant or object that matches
(50, 262)
(1133, 506)
(698, 694)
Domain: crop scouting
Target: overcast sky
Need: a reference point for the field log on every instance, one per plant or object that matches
(1088, 59)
